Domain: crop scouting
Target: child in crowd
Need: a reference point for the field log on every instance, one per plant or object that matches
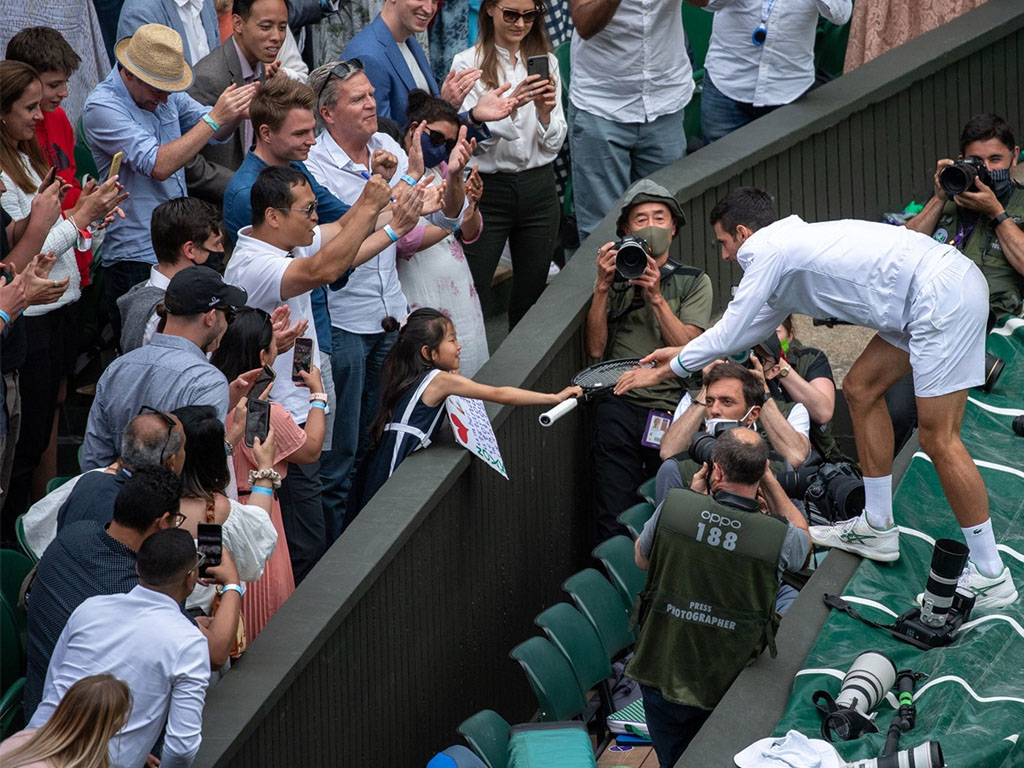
(421, 370)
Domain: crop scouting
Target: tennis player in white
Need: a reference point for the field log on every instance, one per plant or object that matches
(929, 305)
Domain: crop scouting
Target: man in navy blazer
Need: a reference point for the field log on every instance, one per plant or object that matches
(387, 49)
(135, 13)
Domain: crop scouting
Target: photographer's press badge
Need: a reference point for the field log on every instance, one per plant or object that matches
(658, 423)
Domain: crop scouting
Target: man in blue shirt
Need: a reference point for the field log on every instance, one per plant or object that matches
(172, 370)
(141, 110)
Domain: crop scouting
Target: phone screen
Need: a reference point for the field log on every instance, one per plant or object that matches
(303, 360)
(257, 420)
(209, 544)
(267, 375)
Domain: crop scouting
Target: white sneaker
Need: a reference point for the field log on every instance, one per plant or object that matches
(990, 592)
(553, 271)
(857, 536)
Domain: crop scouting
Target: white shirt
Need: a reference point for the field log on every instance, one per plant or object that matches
(145, 640)
(518, 142)
(189, 13)
(635, 69)
(414, 66)
(372, 291)
(156, 280)
(259, 267)
(857, 271)
(781, 69)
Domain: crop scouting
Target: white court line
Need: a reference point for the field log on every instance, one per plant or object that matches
(980, 463)
(922, 535)
(871, 603)
(996, 409)
(894, 703)
(1011, 325)
(994, 617)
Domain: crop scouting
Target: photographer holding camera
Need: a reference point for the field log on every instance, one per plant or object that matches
(690, 650)
(641, 298)
(983, 221)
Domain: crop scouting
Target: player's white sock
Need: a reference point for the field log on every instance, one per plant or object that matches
(878, 501)
(982, 543)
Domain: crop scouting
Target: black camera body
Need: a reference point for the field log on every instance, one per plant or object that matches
(631, 259)
(835, 493)
(702, 443)
(910, 624)
(961, 176)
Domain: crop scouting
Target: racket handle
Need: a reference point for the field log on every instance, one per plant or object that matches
(549, 417)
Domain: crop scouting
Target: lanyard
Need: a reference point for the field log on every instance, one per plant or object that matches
(761, 33)
(766, 10)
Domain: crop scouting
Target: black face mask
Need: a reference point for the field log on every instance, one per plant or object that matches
(215, 261)
(1002, 183)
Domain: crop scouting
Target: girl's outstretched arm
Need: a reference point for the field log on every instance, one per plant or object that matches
(445, 384)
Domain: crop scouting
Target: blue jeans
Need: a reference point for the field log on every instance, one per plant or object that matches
(720, 115)
(608, 156)
(672, 725)
(356, 362)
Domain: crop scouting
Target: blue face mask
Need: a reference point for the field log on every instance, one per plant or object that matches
(432, 156)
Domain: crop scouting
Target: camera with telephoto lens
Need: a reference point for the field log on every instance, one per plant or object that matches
(631, 259)
(927, 755)
(846, 716)
(944, 608)
(702, 443)
(836, 493)
(993, 370)
(961, 175)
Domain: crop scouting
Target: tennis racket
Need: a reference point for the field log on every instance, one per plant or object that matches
(594, 380)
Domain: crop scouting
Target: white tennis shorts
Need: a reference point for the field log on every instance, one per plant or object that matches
(946, 333)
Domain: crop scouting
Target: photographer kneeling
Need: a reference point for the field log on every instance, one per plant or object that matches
(733, 396)
(714, 564)
(641, 300)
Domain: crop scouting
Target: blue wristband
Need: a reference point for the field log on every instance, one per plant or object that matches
(212, 123)
(261, 489)
(390, 233)
(5, 316)
(318, 404)
(408, 180)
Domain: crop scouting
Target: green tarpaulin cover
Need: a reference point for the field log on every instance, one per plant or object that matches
(973, 699)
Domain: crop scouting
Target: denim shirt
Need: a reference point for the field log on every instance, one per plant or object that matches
(114, 123)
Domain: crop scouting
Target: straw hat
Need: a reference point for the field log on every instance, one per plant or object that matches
(156, 56)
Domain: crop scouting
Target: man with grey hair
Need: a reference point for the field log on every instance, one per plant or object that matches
(152, 439)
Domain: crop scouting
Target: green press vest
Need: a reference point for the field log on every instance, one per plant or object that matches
(709, 604)
(821, 434)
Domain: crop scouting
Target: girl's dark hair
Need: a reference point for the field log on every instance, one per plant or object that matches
(424, 107)
(424, 328)
(206, 464)
(248, 334)
(535, 42)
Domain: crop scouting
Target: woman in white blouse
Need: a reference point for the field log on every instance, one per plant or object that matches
(520, 202)
(51, 329)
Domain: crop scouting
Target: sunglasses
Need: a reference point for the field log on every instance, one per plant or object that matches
(343, 70)
(309, 210)
(511, 17)
(229, 313)
(437, 139)
(170, 431)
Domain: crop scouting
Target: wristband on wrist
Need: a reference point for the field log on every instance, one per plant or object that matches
(231, 588)
(260, 489)
(5, 316)
(390, 233)
(408, 180)
(212, 123)
(319, 404)
(318, 396)
(472, 117)
(1000, 218)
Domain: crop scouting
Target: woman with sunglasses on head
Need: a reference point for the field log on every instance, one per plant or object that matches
(520, 201)
(249, 343)
(247, 532)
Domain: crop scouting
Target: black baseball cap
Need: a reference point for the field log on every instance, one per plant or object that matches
(198, 289)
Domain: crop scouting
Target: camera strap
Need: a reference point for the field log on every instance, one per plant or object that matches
(836, 602)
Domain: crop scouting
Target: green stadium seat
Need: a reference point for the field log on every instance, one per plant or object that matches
(551, 678)
(487, 733)
(19, 532)
(12, 659)
(616, 554)
(84, 161)
(646, 490)
(600, 603)
(12, 719)
(635, 517)
(14, 567)
(56, 482)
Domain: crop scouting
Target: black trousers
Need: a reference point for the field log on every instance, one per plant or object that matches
(119, 277)
(303, 517)
(621, 464)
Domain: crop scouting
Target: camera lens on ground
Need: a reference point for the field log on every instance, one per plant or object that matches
(948, 560)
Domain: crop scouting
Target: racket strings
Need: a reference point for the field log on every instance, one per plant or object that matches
(605, 374)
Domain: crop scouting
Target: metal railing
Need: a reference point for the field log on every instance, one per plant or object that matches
(403, 628)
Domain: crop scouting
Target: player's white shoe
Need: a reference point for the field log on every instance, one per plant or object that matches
(990, 592)
(857, 536)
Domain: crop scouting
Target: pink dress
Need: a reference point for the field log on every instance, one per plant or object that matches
(262, 598)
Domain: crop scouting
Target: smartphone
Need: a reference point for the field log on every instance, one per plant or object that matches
(209, 545)
(48, 178)
(257, 420)
(303, 360)
(115, 165)
(267, 375)
(538, 65)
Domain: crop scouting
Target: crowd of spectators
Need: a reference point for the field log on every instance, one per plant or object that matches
(261, 226)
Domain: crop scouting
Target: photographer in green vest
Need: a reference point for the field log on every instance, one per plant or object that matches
(714, 561)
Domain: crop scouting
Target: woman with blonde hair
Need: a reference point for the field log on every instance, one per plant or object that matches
(77, 734)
